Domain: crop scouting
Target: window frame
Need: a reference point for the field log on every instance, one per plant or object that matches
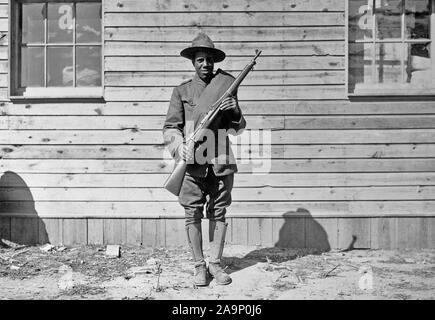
(46, 92)
(390, 89)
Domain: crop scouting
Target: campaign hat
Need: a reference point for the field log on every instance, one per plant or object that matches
(202, 42)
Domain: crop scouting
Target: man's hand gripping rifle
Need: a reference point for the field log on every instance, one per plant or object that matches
(175, 180)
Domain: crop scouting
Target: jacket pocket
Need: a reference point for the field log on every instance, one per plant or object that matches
(189, 107)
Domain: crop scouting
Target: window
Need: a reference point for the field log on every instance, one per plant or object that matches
(56, 49)
(391, 48)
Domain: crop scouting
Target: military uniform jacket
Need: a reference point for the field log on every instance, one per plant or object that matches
(179, 125)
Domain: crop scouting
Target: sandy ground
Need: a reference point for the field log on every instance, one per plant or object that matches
(86, 272)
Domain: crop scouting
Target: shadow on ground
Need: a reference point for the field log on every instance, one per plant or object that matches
(299, 235)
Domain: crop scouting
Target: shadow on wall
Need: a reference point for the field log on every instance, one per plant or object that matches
(301, 230)
(19, 221)
(299, 235)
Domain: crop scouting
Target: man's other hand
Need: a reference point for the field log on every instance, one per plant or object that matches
(186, 151)
(230, 104)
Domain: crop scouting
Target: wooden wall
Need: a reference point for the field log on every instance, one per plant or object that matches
(92, 172)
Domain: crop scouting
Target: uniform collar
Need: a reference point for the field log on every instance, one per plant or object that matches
(198, 81)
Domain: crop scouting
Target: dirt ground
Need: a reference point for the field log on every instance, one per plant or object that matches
(87, 272)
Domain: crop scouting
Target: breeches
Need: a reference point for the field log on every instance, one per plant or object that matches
(212, 191)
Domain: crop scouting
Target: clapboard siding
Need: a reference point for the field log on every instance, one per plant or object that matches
(121, 123)
(268, 63)
(135, 136)
(4, 39)
(4, 25)
(303, 48)
(321, 233)
(291, 108)
(263, 209)
(92, 172)
(4, 52)
(257, 93)
(155, 180)
(4, 65)
(221, 34)
(254, 122)
(223, 19)
(264, 166)
(239, 194)
(298, 77)
(378, 151)
(4, 10)
(220, 5)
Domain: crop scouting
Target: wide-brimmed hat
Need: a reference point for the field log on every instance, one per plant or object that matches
(202, 42)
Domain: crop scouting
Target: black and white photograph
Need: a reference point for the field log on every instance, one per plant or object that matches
(217, 150)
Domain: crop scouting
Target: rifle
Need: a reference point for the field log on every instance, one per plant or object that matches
(175, 180)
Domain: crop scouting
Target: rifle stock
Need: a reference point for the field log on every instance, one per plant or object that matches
(175, 180)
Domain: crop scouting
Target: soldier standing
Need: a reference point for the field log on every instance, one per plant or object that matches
(206, 184)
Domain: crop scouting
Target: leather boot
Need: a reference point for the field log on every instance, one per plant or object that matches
(217, 230)
(194, 238)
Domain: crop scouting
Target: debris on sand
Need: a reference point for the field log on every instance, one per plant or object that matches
(159, 271)
(327, 273)
(408, 260)
(141, 270)
(46, 247)
(20, 252)
(83, 290)
(113, 251)
(366, 278)
(8, 256)
(85, 271)
(66, 280)
(11, 244)
(153, 261)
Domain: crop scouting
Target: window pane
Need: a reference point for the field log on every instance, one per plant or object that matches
(418, 64)
(360, 20)
(360, 63)
(60, 66)
(88, 20)
(33, 23)
(388, 19)
(88, 61)
(60, 22)
(388, 68)
(32, 67)
(417, 19)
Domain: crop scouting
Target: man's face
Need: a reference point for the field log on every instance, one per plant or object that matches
(204, 64)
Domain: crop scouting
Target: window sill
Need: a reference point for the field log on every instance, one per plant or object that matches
(58, 93)
(391, 90)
